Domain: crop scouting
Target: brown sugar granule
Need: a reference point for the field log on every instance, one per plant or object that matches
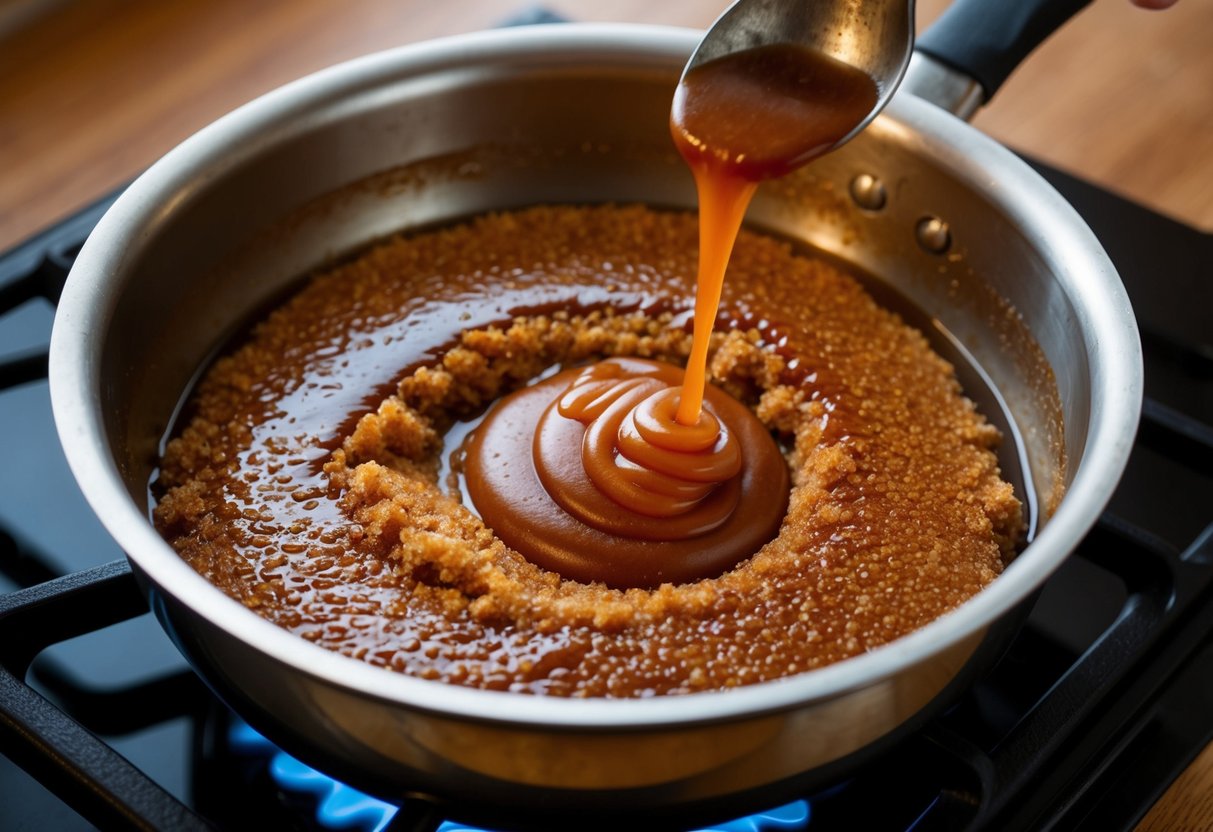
(308, 482)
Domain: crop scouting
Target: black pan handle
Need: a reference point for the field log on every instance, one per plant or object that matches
(987, 39)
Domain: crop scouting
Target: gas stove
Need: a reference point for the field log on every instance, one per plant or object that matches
(1097, 705)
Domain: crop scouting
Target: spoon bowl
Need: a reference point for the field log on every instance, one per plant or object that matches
(873, 36)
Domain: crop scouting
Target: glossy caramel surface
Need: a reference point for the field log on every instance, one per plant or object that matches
(588, 475)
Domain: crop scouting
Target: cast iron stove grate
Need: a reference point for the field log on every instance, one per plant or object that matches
(1099, 702)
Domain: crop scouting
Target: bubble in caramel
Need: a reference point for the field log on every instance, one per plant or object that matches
(588, 474)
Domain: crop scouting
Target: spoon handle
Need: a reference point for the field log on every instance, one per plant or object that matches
(987, 39)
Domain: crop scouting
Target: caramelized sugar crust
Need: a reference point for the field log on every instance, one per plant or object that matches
(306, 481)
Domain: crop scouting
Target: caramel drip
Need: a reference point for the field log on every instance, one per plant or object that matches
(723, 200)
(737, 120)
(637, 456)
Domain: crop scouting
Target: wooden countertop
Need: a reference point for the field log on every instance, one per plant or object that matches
(92, 92)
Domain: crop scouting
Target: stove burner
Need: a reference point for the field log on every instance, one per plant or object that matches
(342, 807)
(338, 805)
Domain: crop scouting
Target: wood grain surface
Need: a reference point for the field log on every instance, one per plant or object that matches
(93, 91)
(1188, 804)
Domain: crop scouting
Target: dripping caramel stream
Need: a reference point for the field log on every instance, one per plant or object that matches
(739, 119)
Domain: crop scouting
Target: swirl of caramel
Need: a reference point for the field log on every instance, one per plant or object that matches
(636, 456)
(586, 473)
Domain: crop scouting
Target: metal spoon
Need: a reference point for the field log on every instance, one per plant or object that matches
(874, 36)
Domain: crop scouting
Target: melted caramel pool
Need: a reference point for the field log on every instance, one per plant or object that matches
(306, 481)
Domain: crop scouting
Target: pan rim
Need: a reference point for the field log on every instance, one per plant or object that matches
(89, 297)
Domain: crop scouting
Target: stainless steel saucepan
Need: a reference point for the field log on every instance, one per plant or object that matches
(578, 113)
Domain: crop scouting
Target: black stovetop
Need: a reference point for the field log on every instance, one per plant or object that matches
(1100, 701)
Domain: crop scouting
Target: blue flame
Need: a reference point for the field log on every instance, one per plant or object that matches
(340, 807)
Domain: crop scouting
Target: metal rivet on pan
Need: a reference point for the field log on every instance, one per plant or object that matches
(933, 235)
(868, 192)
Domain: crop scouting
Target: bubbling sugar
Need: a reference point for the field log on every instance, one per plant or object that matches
(305, 482)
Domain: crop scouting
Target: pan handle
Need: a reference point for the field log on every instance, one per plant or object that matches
(962, 60)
